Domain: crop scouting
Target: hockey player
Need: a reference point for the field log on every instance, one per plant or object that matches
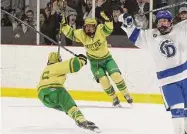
(51, 90)
(168, 46)
(93, 37)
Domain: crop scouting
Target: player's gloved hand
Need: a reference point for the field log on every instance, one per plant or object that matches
(126, 19)
(104, 16)
(82, 57)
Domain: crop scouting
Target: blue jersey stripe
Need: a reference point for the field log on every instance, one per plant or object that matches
(172, 71)
(134, 35)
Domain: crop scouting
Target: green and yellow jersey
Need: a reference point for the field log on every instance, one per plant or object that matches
(96, 47)
(54, 75)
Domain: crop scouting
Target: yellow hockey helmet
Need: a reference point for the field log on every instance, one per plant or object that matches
(54, 57)
(91, 21)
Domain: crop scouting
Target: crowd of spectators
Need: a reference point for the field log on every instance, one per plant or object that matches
(76, 12)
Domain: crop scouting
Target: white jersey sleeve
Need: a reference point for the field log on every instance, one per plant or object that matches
(137, 36)
(182, 27)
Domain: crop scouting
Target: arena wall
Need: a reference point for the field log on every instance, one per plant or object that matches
(21, 67)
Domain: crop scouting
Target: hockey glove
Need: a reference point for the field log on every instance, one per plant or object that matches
(103, 15)
(126, 19)
(82, 57)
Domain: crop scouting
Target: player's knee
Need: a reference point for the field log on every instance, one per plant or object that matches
(116, 77)
(177, 110)
(104, 81)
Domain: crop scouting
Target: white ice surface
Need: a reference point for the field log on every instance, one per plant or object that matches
(29, 116)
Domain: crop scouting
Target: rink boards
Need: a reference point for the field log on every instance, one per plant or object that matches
(21, 67)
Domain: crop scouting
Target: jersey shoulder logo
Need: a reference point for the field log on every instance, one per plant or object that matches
(167, 48)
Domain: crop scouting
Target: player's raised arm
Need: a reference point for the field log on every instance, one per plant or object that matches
(182, 26)
(73, 65)
(68, 31)
(135, 34)
(107, 27)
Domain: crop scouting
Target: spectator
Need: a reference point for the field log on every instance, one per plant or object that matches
(71, 21)
(5, 20)
(17, 5)
(77, 6)
(50, 26)
(182, 15)
(6, 4)
(117, 11)
(88, 9)
(42, 17)
(30, 15)
(23, 34)
(130, 6)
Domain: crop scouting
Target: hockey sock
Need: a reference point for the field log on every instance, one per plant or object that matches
(120, 83)
(110, 91)
(76, 114)
(177, 112)
(105, 84)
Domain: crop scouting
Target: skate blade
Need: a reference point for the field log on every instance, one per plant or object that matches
(89, 131)
(131, 105)
(118, 106)
(97, 130)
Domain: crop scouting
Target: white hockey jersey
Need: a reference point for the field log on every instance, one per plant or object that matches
(169, 51)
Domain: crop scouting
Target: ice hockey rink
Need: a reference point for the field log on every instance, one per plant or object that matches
(29, 116)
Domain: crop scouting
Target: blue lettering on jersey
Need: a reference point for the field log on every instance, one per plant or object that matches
(168, 48)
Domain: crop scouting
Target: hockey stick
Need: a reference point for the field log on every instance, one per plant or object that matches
(56, 43)
(166, 7)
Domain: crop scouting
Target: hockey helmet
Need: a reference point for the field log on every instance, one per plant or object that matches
(164, 14)
(167, 27)
(54, 57)
(90, 21)
(90, 31)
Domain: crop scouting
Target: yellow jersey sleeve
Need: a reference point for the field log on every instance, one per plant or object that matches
(106, 28)
(55, 75)
(69, 32)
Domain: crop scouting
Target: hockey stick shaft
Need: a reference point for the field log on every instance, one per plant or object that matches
(38, 32)
(166, 7)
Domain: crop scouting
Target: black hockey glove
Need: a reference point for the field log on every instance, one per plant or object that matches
(82, 57)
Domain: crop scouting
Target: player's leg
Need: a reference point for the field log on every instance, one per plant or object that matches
(174, 101)
(45, 96)
(70, 107)
(59, 98)
(115, 75)
(100, 76)
(109, 90)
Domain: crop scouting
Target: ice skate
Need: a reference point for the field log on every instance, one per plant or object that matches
(128, 98)
(116, 102)
(89, 126)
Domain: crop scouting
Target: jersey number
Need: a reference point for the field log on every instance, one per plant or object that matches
(45, 75)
